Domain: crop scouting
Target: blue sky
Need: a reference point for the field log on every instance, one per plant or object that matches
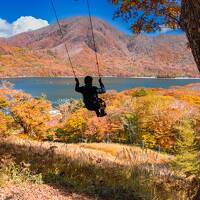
(13, 10)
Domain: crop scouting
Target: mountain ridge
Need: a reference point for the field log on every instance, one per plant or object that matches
(43, 53)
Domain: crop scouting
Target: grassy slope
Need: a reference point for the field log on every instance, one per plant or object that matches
(113, 153)
(109, 171)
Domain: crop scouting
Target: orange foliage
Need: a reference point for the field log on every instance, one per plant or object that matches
(5, 123)
(99, 127)
(155, 117)
(32, 115)
(149, 15)
(152, 115)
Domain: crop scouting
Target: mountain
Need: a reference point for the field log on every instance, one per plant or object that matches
(42, 52)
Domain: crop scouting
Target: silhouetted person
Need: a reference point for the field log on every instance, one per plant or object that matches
(90, 95)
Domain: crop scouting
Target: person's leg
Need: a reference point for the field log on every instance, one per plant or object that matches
(98, 113)
(98, 107)
(102, 105)
(103, 113)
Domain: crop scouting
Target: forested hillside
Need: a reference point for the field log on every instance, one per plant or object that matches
(41, 52)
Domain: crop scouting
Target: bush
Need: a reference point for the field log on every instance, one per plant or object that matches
(32, 115)
(140, 93)
(10, 170)
(70, 107)
(73, 128)
(186, 158)
(51, 53)
(5, 124)
(131, 128)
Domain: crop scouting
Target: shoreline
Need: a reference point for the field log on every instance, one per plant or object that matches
(131, 77)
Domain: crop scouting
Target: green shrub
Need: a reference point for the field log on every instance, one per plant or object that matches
(186, 158)
(131, 129)
(140, 93)
(50, 52)
(10, 170)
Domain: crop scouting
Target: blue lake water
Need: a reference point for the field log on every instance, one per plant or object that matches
(60, 89)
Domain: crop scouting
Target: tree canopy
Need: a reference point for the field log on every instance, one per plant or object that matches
(149, 16)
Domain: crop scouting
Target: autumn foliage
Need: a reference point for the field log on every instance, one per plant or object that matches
(164, 119)
(150, 15)
(28, 115)
(155, 116)
(159, 117)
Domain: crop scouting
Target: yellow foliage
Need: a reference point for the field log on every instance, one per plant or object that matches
(191, 98)
(32, 114)
(157, 117)
(76, 122)
(4, 123)
(149, 140)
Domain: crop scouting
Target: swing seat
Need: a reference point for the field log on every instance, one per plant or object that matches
(98, 106)
(95, 104)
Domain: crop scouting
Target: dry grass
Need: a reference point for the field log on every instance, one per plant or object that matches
(111, 170)
(124, 152)
(95, 153)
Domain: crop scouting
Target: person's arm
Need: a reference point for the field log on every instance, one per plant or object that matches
(102, 89)
(77, 87)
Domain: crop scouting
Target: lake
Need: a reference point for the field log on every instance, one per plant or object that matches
(59, 90)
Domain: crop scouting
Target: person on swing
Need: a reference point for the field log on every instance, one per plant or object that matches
(90, 95)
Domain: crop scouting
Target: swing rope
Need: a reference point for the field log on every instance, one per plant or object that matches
(62, 37)
(94, 43)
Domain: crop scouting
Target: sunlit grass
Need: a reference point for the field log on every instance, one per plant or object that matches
(102, 170)
(127, 152)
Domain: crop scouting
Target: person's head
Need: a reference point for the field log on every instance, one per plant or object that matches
(88, 80)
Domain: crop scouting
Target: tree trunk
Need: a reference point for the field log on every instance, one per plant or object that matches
(190, 23)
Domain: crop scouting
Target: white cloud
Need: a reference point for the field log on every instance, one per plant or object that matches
(5, 28)
(164, 29)
(22, 24)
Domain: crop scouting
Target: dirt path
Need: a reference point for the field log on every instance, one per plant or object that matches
(29, 191)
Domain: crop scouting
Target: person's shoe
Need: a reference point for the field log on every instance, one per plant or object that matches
(98, 113)
(103, 113)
